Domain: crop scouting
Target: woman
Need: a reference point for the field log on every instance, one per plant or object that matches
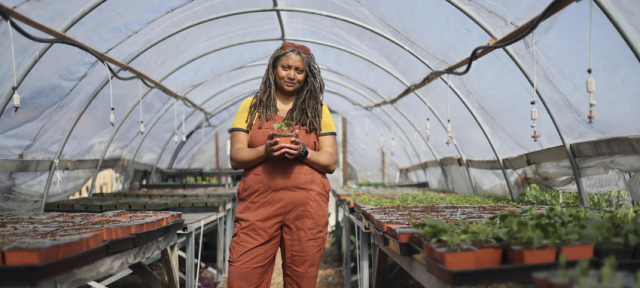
(284, 193)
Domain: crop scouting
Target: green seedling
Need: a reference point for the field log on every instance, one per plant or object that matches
(283, 126)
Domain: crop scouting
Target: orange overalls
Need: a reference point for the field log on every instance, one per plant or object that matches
(282, 204)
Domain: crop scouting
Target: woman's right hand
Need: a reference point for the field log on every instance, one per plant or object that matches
(273, 149)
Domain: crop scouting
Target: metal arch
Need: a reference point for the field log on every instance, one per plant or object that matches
(613, 18)
(356, 23)
(433, 151)
(336, 93)
(43, 50)
(275, 5)
(149, 131)
(373, 62)
(464, 160)
(177, 151)
(208, 99)
(113, 134)
(518, 63)
(153, 170)
(404, 148)
(124, 181)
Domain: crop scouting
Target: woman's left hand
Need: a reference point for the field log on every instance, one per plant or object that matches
(293, 150)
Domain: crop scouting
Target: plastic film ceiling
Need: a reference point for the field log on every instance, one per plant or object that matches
(218, 61)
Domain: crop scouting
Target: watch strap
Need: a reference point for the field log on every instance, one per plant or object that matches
(304, 152)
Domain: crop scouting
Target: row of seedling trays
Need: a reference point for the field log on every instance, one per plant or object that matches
(346, 192)
(188, 193)
(40, 246)
(101, 204)
(459, 238)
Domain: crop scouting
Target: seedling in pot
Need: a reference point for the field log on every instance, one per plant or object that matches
(281, 127)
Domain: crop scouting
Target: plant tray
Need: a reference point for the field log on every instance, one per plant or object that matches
(491, 275)
(32, 274)
(402, 248)
(148, 236)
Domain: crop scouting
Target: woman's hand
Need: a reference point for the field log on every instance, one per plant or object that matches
(273, 149)
(293, 150)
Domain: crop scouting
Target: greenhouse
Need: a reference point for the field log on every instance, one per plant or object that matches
(453, 128)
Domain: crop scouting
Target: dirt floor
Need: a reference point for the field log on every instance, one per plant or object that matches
(329, 276)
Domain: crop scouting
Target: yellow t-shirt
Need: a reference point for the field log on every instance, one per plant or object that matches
(240, 120)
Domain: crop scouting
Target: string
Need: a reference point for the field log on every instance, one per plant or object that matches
(184, 134)
(13, 55)
(112, 118)
(140, 100)
(590, 35)
(175, 120)
(533, 40)
(448, 109)
(591, 84)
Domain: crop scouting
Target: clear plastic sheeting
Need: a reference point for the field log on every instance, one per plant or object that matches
(215, 53)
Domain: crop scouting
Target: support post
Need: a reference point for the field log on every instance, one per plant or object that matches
(220, 250)
(347, 246)
(345, 165)
(364, 257)
(190, 258)
(228, 234)
(380, 271)
(169, 258)
(217, 155)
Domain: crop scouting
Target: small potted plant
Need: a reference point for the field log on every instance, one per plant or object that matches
(281, 127)
(483, 234)
(530, 240)
(431, 230)
(458, 254)
(617, 235)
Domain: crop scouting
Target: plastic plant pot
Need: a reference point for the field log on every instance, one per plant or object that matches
(401, 233)
(577, 251)
(488, 257)
(520, 255)
(456, 260)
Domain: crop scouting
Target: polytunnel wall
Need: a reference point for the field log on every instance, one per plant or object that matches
(215, 52)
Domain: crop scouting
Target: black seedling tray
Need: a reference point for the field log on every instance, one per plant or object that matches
(491, 275)
(32, 274)
(148, 236)
(120, 244)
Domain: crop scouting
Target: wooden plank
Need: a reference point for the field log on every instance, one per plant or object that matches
(169, 267)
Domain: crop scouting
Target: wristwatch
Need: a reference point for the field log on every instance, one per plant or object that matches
(304, 152)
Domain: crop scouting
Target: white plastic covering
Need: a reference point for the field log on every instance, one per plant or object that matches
(170, 41)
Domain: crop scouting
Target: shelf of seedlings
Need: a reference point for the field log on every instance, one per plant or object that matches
(40, 246)
(475, 240)
(182, 200)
